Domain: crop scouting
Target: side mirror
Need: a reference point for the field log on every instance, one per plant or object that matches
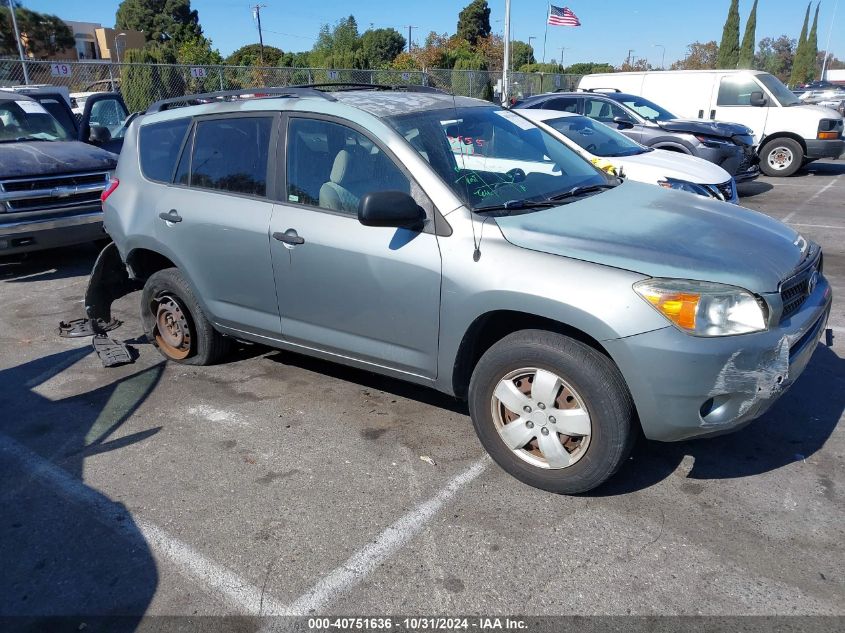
(390, 208)
(623, 123)
(757, 99)
(99, 134)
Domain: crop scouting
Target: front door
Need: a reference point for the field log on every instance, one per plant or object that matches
(367, 293)
(733, 103)
(215, 217)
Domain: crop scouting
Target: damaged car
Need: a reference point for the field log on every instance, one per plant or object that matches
(453, 244)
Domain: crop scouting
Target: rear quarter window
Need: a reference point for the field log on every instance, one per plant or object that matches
(159, 145)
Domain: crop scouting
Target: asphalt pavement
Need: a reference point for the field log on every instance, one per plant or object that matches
(274, 483)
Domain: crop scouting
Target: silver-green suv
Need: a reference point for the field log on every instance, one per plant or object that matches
(451, 243)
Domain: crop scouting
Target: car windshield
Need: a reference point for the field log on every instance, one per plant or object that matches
(595, 137)
(784, 96)
(25, 120)
(647, 109)
(490, 156)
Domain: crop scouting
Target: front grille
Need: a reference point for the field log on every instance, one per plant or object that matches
(52, 192)
(795, 290)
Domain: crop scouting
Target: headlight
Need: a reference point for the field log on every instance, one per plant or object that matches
(713, 140)
(703, 308)
(685, 185)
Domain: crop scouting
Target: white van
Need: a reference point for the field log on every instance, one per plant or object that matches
(787, 132)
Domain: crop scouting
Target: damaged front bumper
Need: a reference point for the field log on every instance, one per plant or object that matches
(686, 386)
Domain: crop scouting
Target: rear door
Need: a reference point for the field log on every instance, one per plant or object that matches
(215, 215)
(369, 293)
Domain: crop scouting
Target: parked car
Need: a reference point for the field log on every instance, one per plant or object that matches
(728, 145)
(597, 142)
(787, 133)
(567, 307)
(50, 183)
(78, 99)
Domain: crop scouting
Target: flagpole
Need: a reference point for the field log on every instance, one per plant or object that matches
(546, 34)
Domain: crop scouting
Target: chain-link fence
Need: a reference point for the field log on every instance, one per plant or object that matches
(141, 84)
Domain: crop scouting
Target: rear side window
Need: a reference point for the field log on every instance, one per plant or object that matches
(159, 148)
(231, 155)
(564, 104)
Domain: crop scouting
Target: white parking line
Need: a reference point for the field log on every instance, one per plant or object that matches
(360, 564)
(215, 579)
(817, 226)
(788, 217)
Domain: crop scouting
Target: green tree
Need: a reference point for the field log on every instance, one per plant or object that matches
(728, 56)
(43, 34)
(700, 56)
(198, 50)
(470, 83)
(812, 51)
(379, 47)
(522, 54)
(336, 47)
(798, 72)
(746, 53)
(474, 21)
(159, 19)
(143, 82)
(586, 68)
(776, 56)
(250, 55)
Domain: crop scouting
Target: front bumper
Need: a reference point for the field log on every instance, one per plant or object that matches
(825, 149)
(739, 161)
(23, 236)
(686, 386)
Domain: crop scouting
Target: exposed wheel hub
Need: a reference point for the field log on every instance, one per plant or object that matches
(172, 329)
(780, 158)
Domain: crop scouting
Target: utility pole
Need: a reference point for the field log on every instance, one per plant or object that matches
(630, 50)
(18, 40)
(562, 49)
(507, 60)
(256, 13)
(663, 58)
(410, 29)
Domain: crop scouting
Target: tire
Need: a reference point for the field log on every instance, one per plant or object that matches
(191, 339)
(781, 157)
(588, 385)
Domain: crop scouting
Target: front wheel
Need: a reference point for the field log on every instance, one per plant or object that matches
(781, 157)
(552, 411)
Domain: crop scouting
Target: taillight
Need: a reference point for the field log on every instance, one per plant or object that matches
(113, 183)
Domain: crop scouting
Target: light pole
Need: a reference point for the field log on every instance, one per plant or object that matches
(630, 50)
(663, 58)
(117, 44)
(507, 60)
(563, 49)
(827, 46)
(18, 40)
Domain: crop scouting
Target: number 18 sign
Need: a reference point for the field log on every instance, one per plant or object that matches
(198, 73)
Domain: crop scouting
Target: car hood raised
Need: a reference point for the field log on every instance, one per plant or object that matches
(660, 164)
(663, 233)
(46, 158)
(709, 128)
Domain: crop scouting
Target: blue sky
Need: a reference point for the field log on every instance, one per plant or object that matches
(610, 27)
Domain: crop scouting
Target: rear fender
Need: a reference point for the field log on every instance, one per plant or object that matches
(109, 282)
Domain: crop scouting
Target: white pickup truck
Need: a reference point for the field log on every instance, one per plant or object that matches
(788, 133)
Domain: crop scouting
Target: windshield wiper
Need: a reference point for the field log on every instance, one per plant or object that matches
(577, 191)
(513, 205)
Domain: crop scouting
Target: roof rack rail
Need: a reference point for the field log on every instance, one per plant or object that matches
(344, 85)
(600, 90)
(195, 99)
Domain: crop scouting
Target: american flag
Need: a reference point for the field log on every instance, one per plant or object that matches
(562, 16)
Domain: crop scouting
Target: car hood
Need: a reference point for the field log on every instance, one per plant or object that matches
(660, 164)
(663, 233)
(46, 158)
(709, 128)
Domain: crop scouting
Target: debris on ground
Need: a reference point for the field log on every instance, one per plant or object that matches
(428, 460)
(78, 328)
(113, 352)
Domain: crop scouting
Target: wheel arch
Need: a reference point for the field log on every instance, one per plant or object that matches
(493, 326)
(143, 262)
(789, 135)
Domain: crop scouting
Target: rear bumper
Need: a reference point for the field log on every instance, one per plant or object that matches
(686, 386)
(24, 236)
(825, 149)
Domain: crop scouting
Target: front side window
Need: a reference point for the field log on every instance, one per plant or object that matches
(332, 166)
(648, 109)
(108, 113)
(159, 145)
(595, 137)
(489, 156)
(783, 94)
(735, 90)
(27, 120)
(604, 111)
(231, 155)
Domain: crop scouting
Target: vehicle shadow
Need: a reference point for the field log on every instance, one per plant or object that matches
(822, 168)
(70, 554)
(60, 263)
(795, 428)
(753, 188)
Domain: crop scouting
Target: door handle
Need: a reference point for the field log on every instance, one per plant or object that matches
(170, 216)
(289, 237)
(712, 114)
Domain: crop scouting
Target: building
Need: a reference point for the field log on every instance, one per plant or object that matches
(113, 44)
(86, 39)
(95, 42)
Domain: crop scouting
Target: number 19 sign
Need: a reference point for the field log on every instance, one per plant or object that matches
(60, 70)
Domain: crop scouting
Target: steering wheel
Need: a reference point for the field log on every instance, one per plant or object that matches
(516, 174)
